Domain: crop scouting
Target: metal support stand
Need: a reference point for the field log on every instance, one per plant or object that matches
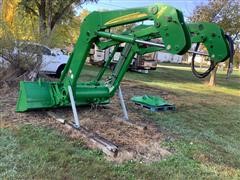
(75, 115)
(120, 95)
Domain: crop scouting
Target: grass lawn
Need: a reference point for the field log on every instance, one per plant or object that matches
(206, 126)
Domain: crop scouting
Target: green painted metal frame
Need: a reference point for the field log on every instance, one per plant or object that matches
(213, 38)
(168, 24)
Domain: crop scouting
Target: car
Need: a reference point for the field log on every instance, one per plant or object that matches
(59, 51)
(53, 61)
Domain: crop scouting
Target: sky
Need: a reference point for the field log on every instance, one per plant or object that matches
(186, 6)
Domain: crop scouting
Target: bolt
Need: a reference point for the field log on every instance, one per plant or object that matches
(157, 24)
(200, 27)
(169, 18)
(169, 47)
(213, 34)
(154, 9)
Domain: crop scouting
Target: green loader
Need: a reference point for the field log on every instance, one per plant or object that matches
(167, 32)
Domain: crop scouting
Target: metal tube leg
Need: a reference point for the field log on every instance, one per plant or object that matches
(122, 103)
(75, 115)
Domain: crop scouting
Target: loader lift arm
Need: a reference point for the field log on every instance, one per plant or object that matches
(168, 21)
(168, 24)
(210, 35)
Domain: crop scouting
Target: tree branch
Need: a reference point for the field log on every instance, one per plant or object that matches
(38, 4)
(58, 15)
(31, 10)
(236, 35)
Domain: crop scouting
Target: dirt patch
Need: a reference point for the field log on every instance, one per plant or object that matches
(133, 142)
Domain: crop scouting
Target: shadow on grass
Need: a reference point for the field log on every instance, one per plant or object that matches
(183, 76)
(174, 74)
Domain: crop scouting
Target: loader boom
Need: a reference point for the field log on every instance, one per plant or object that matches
(167, 20)
(167, 25)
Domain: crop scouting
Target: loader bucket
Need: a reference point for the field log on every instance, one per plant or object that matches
(34, 95)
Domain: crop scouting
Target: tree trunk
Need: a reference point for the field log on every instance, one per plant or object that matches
(42, 20)
(212, 80)
(49, 20)
(1, 2)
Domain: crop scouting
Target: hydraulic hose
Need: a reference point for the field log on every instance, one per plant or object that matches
(207, 72)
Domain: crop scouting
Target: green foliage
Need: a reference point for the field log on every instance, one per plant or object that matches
(67, 33)
(56, 20)
(51, 12)
(121, 29)
(223, 12)
(57, 23)
(17, 23)
(11, 45)
(237, 58)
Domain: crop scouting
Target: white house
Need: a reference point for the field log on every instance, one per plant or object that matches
(167, 57)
